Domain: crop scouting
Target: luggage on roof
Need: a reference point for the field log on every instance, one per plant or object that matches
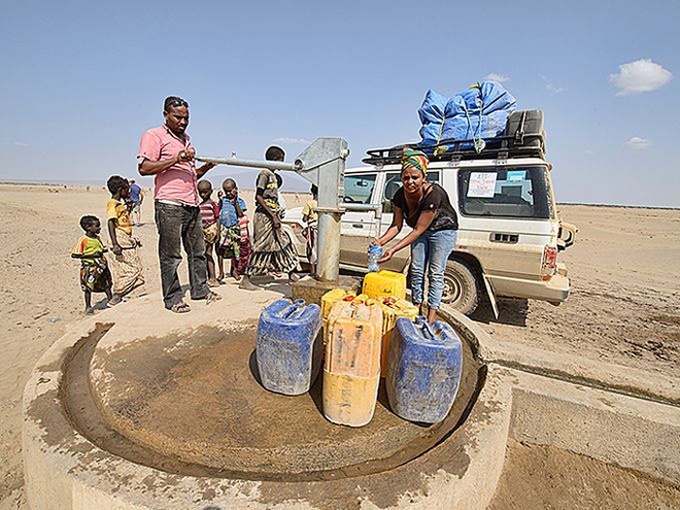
(526, 126)
(480, 111)
(523, 136)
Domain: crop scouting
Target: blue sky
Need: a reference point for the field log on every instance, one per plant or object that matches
(83, 80)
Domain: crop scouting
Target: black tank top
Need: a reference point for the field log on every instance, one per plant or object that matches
(436, 199)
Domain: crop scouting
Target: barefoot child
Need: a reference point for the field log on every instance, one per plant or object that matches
(94, 271)
(126, 265)
(209, 215)
(234, 236)
(310, 217)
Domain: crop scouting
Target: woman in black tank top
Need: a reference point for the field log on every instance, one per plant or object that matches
(425, 207)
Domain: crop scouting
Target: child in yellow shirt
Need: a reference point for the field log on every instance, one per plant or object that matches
(94, 271)
(310, 216)
(126, 265)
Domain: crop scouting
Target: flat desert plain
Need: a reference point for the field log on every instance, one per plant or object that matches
(624, 306)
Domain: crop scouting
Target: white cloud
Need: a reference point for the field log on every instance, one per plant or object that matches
(551, 87)
(638, 143)
(20, 144)
(292, 141)
(554, 88)
(500, 78)
(640, 76)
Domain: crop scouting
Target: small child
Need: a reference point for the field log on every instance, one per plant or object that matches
(126, 264)
(210, 213)
(94, 271)
(310, 217)
(234, 235)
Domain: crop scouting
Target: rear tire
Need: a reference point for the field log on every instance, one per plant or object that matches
(461, 286)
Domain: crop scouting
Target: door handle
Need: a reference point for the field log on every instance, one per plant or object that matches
(357, 225)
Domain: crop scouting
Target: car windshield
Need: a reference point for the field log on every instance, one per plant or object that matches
(508, 192)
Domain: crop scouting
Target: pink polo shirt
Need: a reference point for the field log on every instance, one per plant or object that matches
(177, 183)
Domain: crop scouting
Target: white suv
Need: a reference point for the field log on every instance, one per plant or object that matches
(508, 238)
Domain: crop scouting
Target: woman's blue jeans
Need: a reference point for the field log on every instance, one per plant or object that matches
(431, 250)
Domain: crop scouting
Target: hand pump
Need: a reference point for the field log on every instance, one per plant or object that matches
(322, 164)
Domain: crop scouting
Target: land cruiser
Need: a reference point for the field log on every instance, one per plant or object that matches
(509, 232)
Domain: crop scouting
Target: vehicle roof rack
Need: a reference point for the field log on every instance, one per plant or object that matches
(499, 147)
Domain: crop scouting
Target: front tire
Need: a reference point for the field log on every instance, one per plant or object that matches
(461, 286)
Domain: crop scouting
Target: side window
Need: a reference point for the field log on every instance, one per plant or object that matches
(359, 188)
(513, 192)
(393, 183)
(433, 176)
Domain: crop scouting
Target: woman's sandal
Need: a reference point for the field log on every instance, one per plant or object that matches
(180, 307)
(212, 297)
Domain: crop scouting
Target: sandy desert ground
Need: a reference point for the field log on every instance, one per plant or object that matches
(625, 270)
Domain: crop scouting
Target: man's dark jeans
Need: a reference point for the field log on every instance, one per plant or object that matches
(180, 223)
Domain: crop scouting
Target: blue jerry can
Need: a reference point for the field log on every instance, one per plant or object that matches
(289, 346)
(425, 362)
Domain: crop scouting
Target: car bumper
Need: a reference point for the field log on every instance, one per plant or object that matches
(556, 290)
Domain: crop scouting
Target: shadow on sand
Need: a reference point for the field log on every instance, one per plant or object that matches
(510, 311)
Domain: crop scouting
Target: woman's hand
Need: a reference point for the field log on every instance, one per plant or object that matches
(375, 242)
(386, 256)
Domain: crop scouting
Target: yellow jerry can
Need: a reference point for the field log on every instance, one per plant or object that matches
(328, 300)
(392, 310)
(385, 284)
(333, 296)
(352, 365)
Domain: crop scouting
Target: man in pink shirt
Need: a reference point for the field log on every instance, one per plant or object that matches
(166, 153)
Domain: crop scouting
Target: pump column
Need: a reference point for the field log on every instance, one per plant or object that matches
(323, 164)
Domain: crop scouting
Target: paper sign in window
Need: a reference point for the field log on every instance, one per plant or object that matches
(482, 185)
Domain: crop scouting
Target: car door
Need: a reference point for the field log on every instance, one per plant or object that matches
(392, 183)
(357, 227)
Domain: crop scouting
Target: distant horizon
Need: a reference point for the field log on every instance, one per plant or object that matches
(78, 183)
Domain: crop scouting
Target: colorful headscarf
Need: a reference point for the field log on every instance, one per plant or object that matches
(414, 159)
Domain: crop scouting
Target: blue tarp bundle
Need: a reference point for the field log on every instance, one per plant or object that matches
(478, 112)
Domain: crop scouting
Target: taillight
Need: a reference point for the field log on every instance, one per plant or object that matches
(549, 262)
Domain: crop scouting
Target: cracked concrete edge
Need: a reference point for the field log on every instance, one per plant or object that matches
(64, 470)
(564, 366)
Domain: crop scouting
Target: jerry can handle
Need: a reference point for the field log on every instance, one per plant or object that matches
(294, 309)
(426, 328)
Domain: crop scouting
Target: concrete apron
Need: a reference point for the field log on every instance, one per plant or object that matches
(533, 396)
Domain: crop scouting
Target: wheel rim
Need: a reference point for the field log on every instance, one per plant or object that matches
(452, 289)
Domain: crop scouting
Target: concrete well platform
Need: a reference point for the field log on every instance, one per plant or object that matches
(165, 412)
(195, 395)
